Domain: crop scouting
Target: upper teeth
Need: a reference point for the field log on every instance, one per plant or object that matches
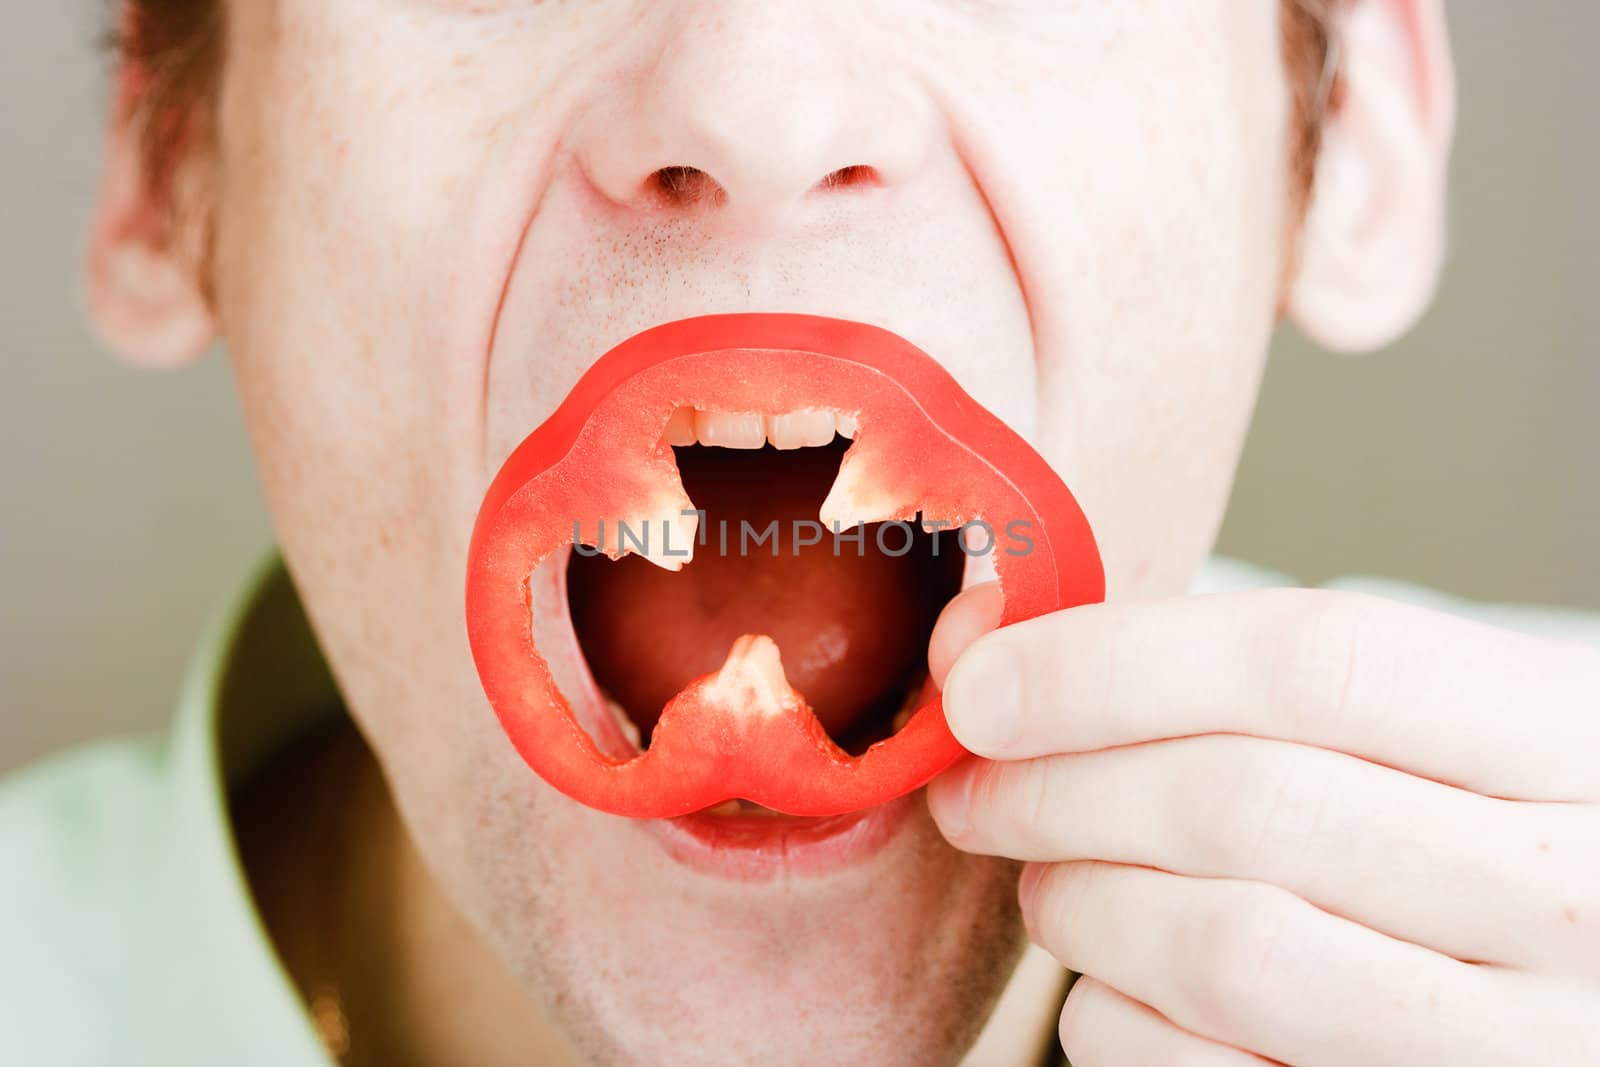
(807, 428)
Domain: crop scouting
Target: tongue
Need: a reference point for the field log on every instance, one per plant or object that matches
(852, 625)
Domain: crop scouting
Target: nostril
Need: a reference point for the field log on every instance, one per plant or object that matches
(681, 186)
(854, 175)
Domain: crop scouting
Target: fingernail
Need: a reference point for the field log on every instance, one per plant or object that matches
(949, 799)
(983, 700)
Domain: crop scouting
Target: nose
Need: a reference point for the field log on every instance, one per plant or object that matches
(750, 111)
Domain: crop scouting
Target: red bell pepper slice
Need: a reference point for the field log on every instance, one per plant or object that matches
(921, 445)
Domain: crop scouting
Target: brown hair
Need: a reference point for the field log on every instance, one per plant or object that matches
(1311, 52)
(169, 56)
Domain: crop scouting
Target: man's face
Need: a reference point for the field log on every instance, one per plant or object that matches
(435, 214)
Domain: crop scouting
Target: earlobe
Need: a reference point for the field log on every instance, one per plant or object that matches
(146, 295)
(1374, 235)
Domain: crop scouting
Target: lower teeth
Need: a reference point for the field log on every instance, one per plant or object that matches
(742, 807)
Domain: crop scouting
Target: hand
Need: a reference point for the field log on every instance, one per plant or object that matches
(1306, 827)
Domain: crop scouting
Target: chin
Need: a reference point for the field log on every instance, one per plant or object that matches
(894, 958)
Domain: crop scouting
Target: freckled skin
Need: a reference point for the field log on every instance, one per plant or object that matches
(431, 220)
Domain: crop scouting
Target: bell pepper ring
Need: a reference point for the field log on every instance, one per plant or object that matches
(921, 446)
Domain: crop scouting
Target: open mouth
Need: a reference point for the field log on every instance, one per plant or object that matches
(849, 619)
(707, 582)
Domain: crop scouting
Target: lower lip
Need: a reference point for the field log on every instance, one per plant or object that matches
(764, 848)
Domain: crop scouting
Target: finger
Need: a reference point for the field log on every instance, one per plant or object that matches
(1102, 1028)
(1500, 713)
(1253, 966)
(973, 613)
(1473, 878)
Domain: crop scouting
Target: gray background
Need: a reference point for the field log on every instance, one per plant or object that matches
(1461, 458)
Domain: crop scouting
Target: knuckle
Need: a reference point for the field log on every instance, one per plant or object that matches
(1253, 791)
(1040, 801)
(1238, 958)
(1049, 901)
(985, 794)
(1256, 815)
(1004, 798)
(1326, 653)
(1018, 803)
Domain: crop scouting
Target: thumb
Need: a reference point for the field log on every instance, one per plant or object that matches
(973, 613)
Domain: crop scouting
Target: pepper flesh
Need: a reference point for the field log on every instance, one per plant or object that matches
(921, 445)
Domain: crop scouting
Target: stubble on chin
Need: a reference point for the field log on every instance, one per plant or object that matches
(900, 966)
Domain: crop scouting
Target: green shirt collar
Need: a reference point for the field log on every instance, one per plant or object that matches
(256, 680)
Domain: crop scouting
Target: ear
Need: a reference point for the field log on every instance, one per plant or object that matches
(146, 293)
(1375, 231)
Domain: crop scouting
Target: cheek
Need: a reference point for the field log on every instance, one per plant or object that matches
(1158, 256)
(356, 278)
(377, 165)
